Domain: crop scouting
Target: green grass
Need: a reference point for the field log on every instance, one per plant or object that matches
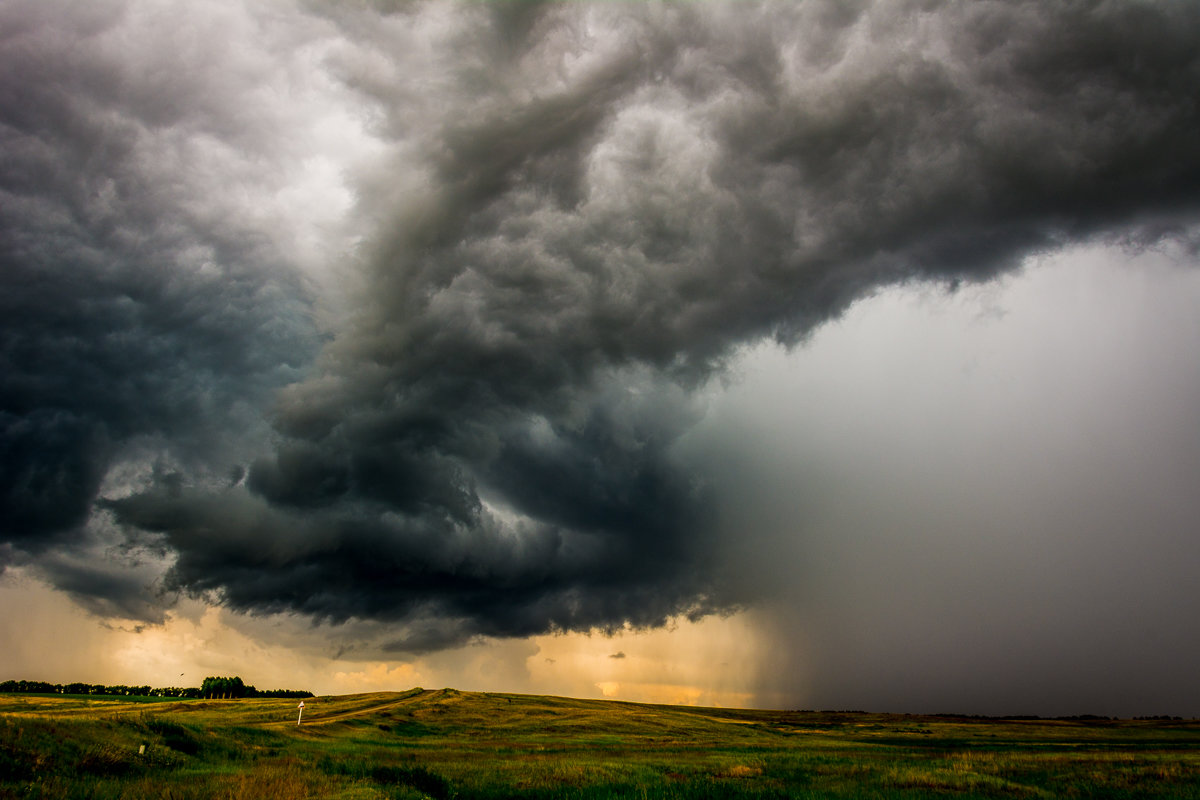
(448, 744)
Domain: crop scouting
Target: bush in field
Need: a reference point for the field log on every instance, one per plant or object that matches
(418, 778)
(175, 736)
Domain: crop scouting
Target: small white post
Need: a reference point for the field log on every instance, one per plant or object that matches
(301, 714)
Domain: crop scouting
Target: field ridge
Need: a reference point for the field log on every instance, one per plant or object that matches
(445, 743)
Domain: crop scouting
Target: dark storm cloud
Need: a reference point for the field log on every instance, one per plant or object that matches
(446, 579)
(134, 305)
(584, 212)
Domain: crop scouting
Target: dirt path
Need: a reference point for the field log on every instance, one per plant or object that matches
(313, 714)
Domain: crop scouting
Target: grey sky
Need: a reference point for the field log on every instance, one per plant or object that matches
(409, 317)
(980, 501)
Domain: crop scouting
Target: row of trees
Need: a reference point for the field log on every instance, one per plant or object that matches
(230, 688)
(212, 687)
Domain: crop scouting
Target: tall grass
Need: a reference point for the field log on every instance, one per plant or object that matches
(455, 745)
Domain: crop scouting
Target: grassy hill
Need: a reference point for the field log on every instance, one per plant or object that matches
(451, 744)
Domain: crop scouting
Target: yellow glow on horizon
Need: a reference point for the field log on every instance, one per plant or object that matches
(714, 662)
(376, 677)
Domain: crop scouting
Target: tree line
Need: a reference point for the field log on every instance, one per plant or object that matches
(211, 688)
(231, 688)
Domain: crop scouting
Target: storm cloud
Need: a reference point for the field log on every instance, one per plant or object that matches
(137, 303)
(445, 387)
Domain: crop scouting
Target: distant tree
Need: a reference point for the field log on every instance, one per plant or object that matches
(223, 687)
(284, 693)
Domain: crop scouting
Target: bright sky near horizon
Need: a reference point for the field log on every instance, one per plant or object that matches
(801, 355)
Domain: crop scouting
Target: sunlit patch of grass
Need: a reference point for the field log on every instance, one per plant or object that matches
(740, 771)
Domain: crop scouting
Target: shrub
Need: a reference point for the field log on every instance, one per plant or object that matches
(418, 778)
(175, 736)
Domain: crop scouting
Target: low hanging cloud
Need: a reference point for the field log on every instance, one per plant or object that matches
(566, 219)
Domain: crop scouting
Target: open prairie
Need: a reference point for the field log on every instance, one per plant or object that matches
(451, 744)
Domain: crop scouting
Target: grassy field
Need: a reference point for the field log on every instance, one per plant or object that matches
(451, 744)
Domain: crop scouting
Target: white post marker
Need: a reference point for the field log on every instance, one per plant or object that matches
(301, 714)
